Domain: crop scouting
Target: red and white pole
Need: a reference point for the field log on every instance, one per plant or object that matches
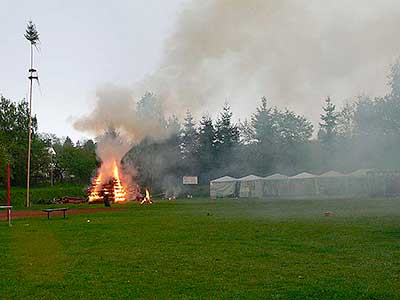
(8, 191)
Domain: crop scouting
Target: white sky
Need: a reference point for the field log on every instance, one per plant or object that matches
(302, 52)
(83, 45)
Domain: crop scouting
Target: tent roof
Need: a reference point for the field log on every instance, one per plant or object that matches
(249, 178)
(360, 173)
(331, 174)
(303, 176)
(276, 177)
(224, 179)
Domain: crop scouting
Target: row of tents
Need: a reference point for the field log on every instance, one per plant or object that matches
(364, 182)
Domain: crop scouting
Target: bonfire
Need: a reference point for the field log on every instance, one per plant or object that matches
(147, 198)
(109, 182)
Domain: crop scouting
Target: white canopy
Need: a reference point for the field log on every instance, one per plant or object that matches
(360, 173)
(224, 179)
(331, 174)
(249, 178)
(303, 175)
(276, 176)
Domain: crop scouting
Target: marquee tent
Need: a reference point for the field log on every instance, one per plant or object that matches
(248, 186)
(332, 183)
(302, 185)
(223, 187)
(273, 186)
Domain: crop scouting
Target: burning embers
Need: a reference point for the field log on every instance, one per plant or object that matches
(147, 198)
(110, 187)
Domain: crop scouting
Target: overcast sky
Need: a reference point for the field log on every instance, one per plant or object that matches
(195, 55)
(83, 45)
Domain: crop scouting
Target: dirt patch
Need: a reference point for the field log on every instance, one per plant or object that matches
(37, 213)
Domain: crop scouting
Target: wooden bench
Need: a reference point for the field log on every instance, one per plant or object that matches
(50, 210)
(8, 207)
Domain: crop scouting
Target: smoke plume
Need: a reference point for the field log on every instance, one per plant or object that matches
(295, 52)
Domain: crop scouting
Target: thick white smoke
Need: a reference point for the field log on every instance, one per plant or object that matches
(295, 52)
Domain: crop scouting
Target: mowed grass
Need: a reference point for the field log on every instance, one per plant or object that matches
(40, 195)
(205, 249)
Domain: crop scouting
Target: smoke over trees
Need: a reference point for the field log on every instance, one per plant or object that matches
(363, 133)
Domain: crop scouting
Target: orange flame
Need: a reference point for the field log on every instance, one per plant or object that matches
(147, 198)
(95, 193)
(119, 191)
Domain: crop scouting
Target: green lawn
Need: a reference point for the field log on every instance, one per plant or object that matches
(40, 195)
(203, 249)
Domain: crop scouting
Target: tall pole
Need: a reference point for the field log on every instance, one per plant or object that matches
(31, 70)
(32, 35)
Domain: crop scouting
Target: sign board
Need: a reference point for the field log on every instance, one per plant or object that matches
(190, 180)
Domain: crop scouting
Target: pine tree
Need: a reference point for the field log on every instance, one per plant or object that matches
(262, 124)
(206, 144)
(328, 127)
(188, 137)
(227, 133)
(68, 142)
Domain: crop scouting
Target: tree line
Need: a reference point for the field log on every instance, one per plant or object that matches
(363, 133)
(51, 157)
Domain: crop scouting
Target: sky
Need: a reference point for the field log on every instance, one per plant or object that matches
(194, 54)
(84, 44)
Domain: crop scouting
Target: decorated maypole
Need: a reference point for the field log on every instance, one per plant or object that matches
(32, 35)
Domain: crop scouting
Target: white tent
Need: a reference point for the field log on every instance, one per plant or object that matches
(248, 186)
(276, 176)
(360, 173)
(274, 186)
(331, 174)
(358, 183)
(332, 184)
(302, 185)
(223, 187)
(249, 178)
(303, 175)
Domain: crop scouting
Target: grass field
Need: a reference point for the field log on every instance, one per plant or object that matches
(203, 249)
(41, 194)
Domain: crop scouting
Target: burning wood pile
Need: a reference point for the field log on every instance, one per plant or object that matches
(108, 185)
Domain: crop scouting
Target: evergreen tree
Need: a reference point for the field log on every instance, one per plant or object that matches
(328, 125)
(226, 134)
(68, 142)
(262, 124)
(345, 125)
(206, 146)
(189, 138)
